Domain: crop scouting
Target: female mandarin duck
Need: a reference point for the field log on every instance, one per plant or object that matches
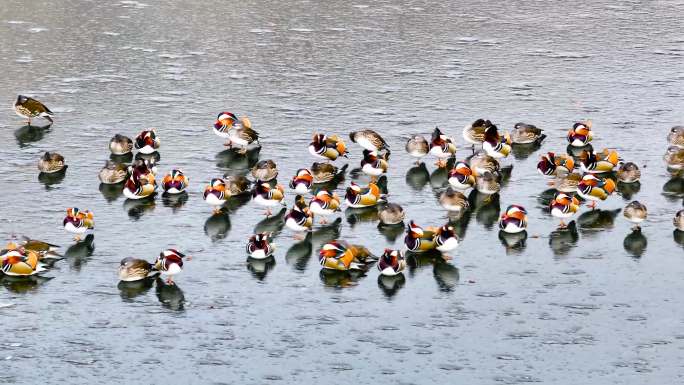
(495, 145)
(676, 136)
(175, 182)
(134, 269)
(51, 162)
(628, 173)
(327, 147)
(259, 246)
(357, 197)
(147, 141)
(215, 194)
(19, 262)
(300, 218)
(28, 108)
(598, 163)
(267, 196)
(678, 220)
(391, 214)
(635, 212)
(417, 147)
(442, 146)
(513, 220)
(374, 165)
(170, 263)
(265, 170)
(418, 240)
(580, 134)
(324, 204)
(474, 133)
(594, 189)
(113, 173)
(567, 182)
(120, 145)
(369, 139)
(78, 222)
(461, 177)
(564, 206)
(552, 164)
(339, 255)
(454, 201)
(302, 182)
(674, 158)
(391, 263)
(487, 183)
(524, 133)
(481, 163)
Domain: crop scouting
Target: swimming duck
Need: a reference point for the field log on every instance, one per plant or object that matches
(374, 165)
(357, 197)
(495, 145)
(215, 194)
(475, 133)
(595, 189)
(564, 206)
(324, 204)
(524, 133)
(139, 185)
(265, 170)
(44, 249)
(676, 136)
(300, 218)
(418, 240)
(237, 185)
(598, 163)
(227, 121)
(267, 196)
(636, 213)
(327, 147)
(391, 214)
(678, 220)
(446, 240)
(442, 146)
(628, 173)
(454, 201)
(120, 145)
(461, 176)
(369, 139)
(260, 246)
(339, 255)
(487, 184)
(480, 163)
(134, 269)
(325, 172)
(567, 182)
(51, 162)
(552, 164)
(417, 146)
(674, 158)
(175, 182)
(113, 173)
(580, 134)
(147, 141)
(302, 182)
(19, 262)
(77, 221)
(28, 108)
(170, 263)
(513, 220)
(391, 263)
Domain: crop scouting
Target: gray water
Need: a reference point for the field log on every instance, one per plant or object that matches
(595, 308)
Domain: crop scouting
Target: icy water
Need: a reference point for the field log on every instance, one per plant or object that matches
(595, 307)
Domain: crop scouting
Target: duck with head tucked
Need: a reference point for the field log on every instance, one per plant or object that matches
(474, 133)
(300, 218)
(461, 177)
(324, 204)
(369, 140)
(51, 162)
(78, 222)
(140, 184)
(120, 145)
(580, 134)
(676, 136)
(442, 146)
(513, 220)
(170, 263)
(524, 133)
(391, 263)
(113, 173)
(227, 121)
(417, 147)
(134, 269)
(18, 262)
(373, 164)
(595, 189)
(340, 255)
(628, 173)
(553, 164)
(147, 141)
(216, 194)
(265, 170)
(635, 212)
(564, 206)
(327, 147)
(598, 163)
(259, 246)
(495, 145)
(265, 195)
(302, 181)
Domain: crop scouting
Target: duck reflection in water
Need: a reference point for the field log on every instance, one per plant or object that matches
(417, 177)
(513, 242)
(674, 187)
(446, 275)
(272, 224)
(562, 240)
(52, 179)
(440, 177)
(363, 214)
(234, 159)
(124, 158)
(30, 134)
(299, 254)
(170, 296)
(597, 219)
(487, 208)
(136, 208)
(678, 237)
(132, 289)
(152, 158)
(79, 253)
(23, 284)
(390, 285)
(216, 227)
(111, 192)
(628, 190)
(635, 243)
(260, 267)
(523, 151)
(326, 233)
(340, 279)
(175, 201)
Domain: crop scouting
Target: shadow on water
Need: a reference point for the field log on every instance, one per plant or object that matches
(446, 275)
(232, 159)
(338, 279)
(216, 227)
(136, 208)
(417, 177)
(260, 267)
(52, 179)
(299, 254)
(562, 241)
(635, 243)
(273, 224)
(391, 232)
(79, 253)
(175, 201)
(513, 243)
(30, 134)
(130, 290)
(111, 192)
(593, 220)
(391, 285)
(674, 188)
(22, 285)
(628, 190)
(545, 197)
(357, 215)
(170, 296)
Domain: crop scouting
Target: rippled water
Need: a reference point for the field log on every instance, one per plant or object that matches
(596, 306)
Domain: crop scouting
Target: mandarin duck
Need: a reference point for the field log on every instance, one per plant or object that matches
(598, 163)
(417, 146)
(265, 170)
(259, 246)
(216, 194)
(227, 121)
(19, 262)
(580, 134)
(552, 164)
(513, 220)
(628, 173)
(147, 141)
(369, 139)
(373, 164)
(300, 218)
(418, 240)
(676, 136)
(564, 206)
(324, 204)
(391, 214)
(461, 177)
(175, 182)
(51, 162)
(674, 159)
(635, 212)
(446, 240)
(134, 269)
(442, 146)
(267, 196)
(474, 133)
(120, 145)
(524, 133)
(170, 263)
(78, 222)
(28, 108)
(391, 263)
(594, 189)
(339, 255)
(454, 202)
(678, 220)
(327, 147)
(302, 181)
(113, 173)
(357, 197)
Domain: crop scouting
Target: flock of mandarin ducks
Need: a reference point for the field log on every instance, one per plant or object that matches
(580, 175)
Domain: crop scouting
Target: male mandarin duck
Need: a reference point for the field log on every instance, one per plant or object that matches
(628, 173)
(339, 255)
(446, 240)
(373, 164)
(635, 212)
(170, 263)
(564, 206)
(580, 134)
(676, 136)
(147, 141)
(357, 197)
(391, 263)
(215, 194)
(594, 189)
(227, 121)
(28, 108)
(324, 204)
(513, 220)
(18, 261)
(51, 162)
(302, 182)
(391, 214)
(454, 201)
(139, 185)
(442, 146)
(78, 222)
(175, 182)
(418, 240)
(417, 147)
(300, 218)
(369, 139)
(461, 177)
(552, 164)
(259, 246)
(474, 133)
(524, 133)
(598, 163)
(265, 170)
(267, 196)
(327, 147)
(495, 145)
(134, 269)
(113, 173)
(120, 145)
